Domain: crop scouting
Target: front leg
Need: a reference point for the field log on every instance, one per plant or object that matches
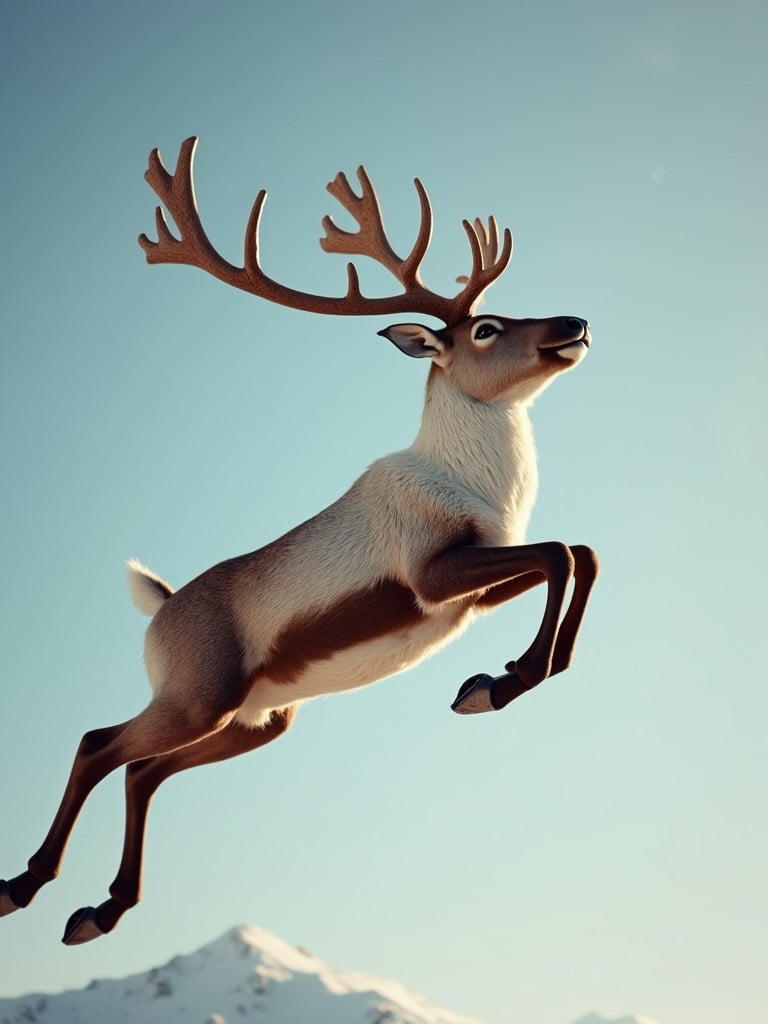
(483, 692)
(586, 569)
(504, 689)
(464, 570)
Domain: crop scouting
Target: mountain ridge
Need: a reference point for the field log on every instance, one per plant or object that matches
(245, 974)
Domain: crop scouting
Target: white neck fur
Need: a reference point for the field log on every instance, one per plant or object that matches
(486, 446)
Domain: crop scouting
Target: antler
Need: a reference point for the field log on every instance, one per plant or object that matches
(484, 242)
(371, 240)
(193, 248)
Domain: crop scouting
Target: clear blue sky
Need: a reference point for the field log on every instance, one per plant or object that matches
(152, 412)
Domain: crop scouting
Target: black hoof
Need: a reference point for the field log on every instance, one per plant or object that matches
(474, 696)
(82, 927)
(489, 693)
(7, 906)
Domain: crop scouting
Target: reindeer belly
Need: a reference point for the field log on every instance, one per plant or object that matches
(365, 637)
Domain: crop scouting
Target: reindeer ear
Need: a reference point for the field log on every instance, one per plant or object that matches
(417, 341)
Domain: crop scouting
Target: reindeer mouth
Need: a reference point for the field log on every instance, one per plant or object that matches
(567, 352)
(570, 351)
(576, 345)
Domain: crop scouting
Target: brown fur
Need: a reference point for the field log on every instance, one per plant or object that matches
(360, 616)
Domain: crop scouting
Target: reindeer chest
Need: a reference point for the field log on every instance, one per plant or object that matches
(495, 491)
(477, 464)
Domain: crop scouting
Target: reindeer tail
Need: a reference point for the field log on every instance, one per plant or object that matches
(148, 591)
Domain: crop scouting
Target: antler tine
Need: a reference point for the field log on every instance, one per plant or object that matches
(412, 263)
(177, 192)
(164, 235)
(161, 182)
(489, 239)
(371, 240)
(252, 265)
(353, 283)
(485, 267)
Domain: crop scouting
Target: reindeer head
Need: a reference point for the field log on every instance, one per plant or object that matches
(486, 357)
(490, 358)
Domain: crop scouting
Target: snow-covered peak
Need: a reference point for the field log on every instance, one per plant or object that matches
(247, 973)
(248, 940)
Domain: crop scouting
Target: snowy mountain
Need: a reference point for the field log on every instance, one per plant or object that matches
(246, 975)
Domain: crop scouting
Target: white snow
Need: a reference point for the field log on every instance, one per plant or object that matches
(245, 975)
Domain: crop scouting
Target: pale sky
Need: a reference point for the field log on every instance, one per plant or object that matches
(602, 843)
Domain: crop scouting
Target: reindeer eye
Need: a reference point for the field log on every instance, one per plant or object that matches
(484, 332)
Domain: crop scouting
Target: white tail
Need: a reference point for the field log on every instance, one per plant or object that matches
(424, 541)
(148, 591)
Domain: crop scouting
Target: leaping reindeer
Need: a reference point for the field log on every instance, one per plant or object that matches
(399, 565)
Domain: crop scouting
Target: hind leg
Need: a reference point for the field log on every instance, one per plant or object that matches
(142, 779)
(162, 727)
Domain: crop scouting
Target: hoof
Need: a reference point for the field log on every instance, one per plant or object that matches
(7, 906)
(474, 696)
(82, 927)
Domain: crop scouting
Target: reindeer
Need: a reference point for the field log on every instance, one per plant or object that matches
(423, 541)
